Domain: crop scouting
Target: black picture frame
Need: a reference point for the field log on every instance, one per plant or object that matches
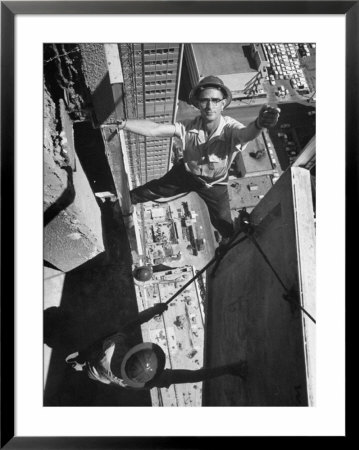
(9, 10)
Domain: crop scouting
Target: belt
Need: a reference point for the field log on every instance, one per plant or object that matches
(208, 182)
(222, 180)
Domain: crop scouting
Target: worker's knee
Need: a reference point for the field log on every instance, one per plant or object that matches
(224, 215)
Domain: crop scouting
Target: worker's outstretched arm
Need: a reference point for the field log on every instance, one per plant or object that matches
(145, 316)
(177, 376)
(267, 117)
(147, 128)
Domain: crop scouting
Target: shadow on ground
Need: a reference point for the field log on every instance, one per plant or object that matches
(97, 297)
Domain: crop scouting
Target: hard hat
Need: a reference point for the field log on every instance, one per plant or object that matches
(143, 273)
(207, 82)
(142, 363)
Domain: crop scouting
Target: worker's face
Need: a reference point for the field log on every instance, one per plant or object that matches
(211, 104)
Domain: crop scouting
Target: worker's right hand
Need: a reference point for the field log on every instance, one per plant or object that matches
(121, 124)
(160, 308)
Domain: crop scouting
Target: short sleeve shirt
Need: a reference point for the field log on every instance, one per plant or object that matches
(210, 157)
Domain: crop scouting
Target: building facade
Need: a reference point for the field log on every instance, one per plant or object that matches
(259, 57)
(179, 331)
(240, 66)
(151, 74)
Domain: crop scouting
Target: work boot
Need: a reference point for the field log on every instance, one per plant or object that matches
(135, 198)
(103, 196)
(71, 359)
(130, 212)
(223, 246)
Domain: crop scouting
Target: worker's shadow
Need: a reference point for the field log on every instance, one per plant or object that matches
(97, 297)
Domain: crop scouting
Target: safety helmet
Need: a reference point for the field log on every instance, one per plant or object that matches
(210, 82)
(143, 273)
(142, 364)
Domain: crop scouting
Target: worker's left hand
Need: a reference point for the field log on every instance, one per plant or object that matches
(268, 116)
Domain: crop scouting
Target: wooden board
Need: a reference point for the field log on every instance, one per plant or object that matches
(247, 317)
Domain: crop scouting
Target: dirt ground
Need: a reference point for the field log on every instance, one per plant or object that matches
(57, 86)
(55, 177)
(72, 218)
(61, 69)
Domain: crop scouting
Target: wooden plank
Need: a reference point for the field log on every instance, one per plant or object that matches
(305, 242)
(116, 162)
(307, 157)
(247, 317)
(113, 63)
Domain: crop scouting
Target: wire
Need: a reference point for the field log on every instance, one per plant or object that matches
(218, 256)
(289, 295)
(252, 239)
(191, 280)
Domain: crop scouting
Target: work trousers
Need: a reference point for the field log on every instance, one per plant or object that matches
(179, 181)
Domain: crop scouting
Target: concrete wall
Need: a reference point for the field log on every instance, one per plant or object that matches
(96, 74)
(247, 317)
(72, 218)
(228, 58)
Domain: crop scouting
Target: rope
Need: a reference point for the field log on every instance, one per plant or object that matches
(289, 296)
(246, 228)
(220, 252)
(254, 241)
(191, 281)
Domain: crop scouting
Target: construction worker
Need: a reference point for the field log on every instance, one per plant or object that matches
(210, 143)
(113, 361)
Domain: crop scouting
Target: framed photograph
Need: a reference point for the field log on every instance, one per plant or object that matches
(79, 281)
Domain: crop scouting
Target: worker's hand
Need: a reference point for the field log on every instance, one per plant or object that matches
(160, 308)
(121, 124)
(267, 117)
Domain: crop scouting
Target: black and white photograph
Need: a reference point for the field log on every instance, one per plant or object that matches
(179, 197)
(176, 181)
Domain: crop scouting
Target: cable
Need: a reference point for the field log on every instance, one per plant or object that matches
(218, 256)
(191, 280)
(289, 296)
(248, 229)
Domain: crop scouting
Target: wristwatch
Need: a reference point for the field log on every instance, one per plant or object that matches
(121, 124)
